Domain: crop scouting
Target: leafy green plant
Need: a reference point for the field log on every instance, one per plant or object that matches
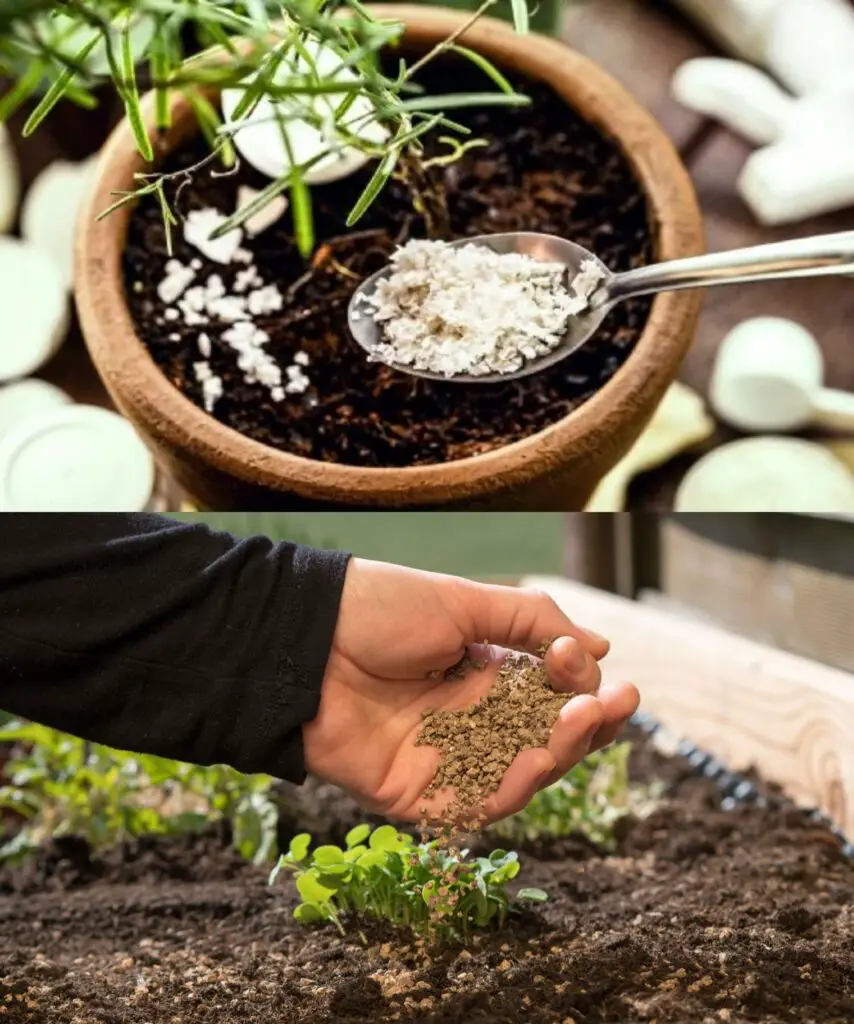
(591, 798)
(430, 887)
(263, 47)
(61, 785)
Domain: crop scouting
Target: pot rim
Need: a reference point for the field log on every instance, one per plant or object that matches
(144, 393)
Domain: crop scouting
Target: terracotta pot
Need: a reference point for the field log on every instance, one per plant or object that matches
(555, 469)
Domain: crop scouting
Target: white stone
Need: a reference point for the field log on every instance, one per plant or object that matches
(258, 136)
(768, 474)
(51, 211)
(266, 217)
(175, 282)
(25, 398)
(75, 459)
(198, 227)
(34, 301)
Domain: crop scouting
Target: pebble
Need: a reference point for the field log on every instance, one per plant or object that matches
(24, 398)
(51, 210)
(75, 458)
(768, 474)
(34, 300)
(258, 135)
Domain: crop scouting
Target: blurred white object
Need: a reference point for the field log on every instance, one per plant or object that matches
(258, 135)
(10, 182)
(34, 307)
(744, 98)
(680, 422)
(739, 26)
(78, 458)
(768, 474)
(768, 377)
(810, 44)
(69, 35)
(52, 208)
(25, 398)
(807, 166)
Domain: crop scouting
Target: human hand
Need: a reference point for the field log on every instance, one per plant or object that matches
(396, 626)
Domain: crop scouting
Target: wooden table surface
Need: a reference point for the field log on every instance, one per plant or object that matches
(641, 42)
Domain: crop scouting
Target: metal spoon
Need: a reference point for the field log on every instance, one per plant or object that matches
(819, 256)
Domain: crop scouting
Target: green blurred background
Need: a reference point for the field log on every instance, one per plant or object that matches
(464, 543)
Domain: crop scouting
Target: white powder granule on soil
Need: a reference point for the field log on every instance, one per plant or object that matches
(468, 310)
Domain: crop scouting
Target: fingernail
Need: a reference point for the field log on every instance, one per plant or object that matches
(576, 660)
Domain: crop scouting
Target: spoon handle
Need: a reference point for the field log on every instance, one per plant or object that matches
(833, 410)
(817, 256)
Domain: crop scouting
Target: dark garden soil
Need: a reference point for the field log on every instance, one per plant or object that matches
(703, 915)
(544, 169)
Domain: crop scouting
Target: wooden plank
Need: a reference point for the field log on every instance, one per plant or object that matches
(642, 46)
(746, 703)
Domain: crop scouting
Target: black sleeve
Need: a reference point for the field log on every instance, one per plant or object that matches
(165, 637)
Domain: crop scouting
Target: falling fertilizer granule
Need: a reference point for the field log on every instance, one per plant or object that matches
(469, 310)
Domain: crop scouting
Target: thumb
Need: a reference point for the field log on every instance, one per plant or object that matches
(521, 619)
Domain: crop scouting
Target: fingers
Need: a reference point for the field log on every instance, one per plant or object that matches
(618, 702)
(570, 668)
(569, 741)
(521, 619)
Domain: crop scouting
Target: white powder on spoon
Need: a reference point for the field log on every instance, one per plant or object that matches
(469, 310)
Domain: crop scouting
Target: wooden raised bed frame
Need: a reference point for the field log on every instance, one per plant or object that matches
(747, 704)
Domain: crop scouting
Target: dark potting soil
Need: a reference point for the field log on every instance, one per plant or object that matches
(701, 916)
(544, 169)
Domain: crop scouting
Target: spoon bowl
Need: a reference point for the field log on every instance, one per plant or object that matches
(547, 248)
(818, 256)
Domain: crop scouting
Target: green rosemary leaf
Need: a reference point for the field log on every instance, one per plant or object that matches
(131, 98)
(57, 90)
(456, 100)
(21, 91)
(377, 183)
(487, 67)
(302, 214)
(520, 15)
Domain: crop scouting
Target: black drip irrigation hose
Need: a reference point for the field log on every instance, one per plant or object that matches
(735, 788)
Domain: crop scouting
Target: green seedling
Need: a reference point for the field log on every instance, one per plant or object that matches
(61, 785)
(430, 887)
(591, 798)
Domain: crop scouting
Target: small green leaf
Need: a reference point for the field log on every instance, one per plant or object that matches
(311, 890)
(328, 855)
(386, 837)
(534, 895)
(308, 913)
(357, 835)
(130, 94)
(299, 845)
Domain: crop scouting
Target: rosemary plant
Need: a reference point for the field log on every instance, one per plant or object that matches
(267, 49)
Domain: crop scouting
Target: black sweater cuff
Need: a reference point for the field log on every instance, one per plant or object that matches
(167, 638)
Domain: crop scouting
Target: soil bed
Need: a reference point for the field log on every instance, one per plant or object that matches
(544, 169)
(702, 915)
